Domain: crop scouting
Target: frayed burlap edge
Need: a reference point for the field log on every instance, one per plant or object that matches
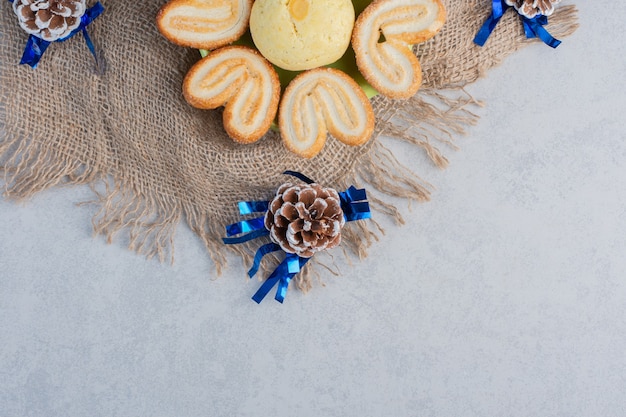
(430, 120)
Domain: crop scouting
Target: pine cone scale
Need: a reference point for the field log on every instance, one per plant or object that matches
(296, 226)
(43, 18)
(309, 238)
(302, 210)
(291, 195)
(318, 208)
(31, 27)
(26, 14)
(332, 209)
(281, 221)
(57, 25)
(318, 227)
(289, 211)
(307, 196)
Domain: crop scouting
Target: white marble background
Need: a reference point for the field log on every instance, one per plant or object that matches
(504, 296)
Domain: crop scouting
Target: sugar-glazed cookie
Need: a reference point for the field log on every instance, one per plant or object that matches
(204, 24)
(320, 101)
(382, 36)
(240, 79)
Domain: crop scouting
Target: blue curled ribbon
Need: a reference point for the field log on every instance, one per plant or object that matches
(498, 7)
(282, 276)
(35, 47)
(533, 28)
(353, 203)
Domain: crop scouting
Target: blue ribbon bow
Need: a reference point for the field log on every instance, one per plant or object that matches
(35, 47)
(533, 28)
(353, 204)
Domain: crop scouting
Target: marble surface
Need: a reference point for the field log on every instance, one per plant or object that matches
(503, 296)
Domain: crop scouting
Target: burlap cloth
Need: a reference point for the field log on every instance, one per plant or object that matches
(153, 160)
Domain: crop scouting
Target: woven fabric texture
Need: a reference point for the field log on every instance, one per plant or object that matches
(153, 160)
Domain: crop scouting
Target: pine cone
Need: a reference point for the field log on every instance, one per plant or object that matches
(49, 20)
(532, 8)
(304, 219)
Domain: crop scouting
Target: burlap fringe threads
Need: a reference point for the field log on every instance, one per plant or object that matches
(148, 219)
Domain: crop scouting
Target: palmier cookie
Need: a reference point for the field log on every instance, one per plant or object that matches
(320, 101)
(204, 24)
(241, 80)
(387, 62)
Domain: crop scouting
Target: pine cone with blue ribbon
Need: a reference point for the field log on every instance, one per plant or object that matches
(49, 20)
(305, 219)
(532, 8)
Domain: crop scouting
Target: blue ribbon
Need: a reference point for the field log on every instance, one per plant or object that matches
(353, 203)
(245, 238)
(299, 176)
(249, 207)
(282, 276)
(258, 257)
(246, 226)
(532, 27)
(498, 7)
(35, 47)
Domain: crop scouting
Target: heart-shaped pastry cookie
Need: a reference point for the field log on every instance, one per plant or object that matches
(320, 101)
(204, 24)
(382, 39)
(240, 79)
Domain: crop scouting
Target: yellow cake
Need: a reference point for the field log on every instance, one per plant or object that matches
(302, 34)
